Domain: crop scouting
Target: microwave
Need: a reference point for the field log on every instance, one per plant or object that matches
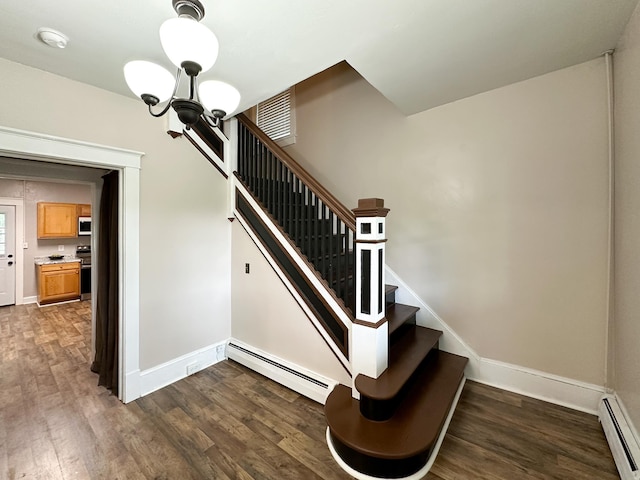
(84, 226)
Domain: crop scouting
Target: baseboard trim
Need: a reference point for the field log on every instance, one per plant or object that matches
(299, 379)
(28, 300)
(131, 390)
(169, 372)
(544, 386)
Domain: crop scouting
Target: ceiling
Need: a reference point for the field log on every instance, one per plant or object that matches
(417, 53)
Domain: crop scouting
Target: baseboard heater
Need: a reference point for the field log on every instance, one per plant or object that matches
(306, 383)
(624, 445)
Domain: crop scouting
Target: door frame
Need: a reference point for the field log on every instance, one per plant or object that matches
(18, 203)
(27, 145)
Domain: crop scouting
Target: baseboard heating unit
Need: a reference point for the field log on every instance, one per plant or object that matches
(298, 379)
(623, 443)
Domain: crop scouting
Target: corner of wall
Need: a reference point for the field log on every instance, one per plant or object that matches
(514, 378)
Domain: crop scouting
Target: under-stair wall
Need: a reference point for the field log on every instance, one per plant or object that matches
(273, 321)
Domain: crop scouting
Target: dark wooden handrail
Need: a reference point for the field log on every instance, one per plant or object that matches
(322, 193)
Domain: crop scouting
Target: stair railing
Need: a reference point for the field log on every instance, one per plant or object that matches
(321, 227)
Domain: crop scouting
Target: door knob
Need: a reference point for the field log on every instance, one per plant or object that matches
(9, 263)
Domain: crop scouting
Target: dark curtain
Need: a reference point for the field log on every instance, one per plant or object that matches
(106, 360)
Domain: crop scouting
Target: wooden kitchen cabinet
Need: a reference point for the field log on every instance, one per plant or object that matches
(58, 282)
(84, 210)
(57, 220)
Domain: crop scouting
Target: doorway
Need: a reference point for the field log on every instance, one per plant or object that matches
(21, 144)
(7, 255)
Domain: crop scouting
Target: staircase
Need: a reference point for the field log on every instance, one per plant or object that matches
(394, 428)
(390, 422)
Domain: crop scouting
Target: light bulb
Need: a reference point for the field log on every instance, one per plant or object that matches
(147, 77)
(185, 39)
(216, 95)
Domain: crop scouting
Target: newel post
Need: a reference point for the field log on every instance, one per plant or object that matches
(369, 339)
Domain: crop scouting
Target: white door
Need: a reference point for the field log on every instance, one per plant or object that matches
(7, 255)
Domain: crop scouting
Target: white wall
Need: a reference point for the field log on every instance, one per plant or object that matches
(498, 205)
(184, 234)
(266, 316)
(625, 371)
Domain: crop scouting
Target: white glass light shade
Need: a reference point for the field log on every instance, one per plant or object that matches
(216, 95)
(185, 39)
(147, 77)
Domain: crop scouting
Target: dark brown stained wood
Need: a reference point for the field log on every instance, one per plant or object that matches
(370, 207)
(306, 257)
(404, 358)
(318, 189)
(316, 302)
(390, 288)
(57, 424)
(414, 427)
(499, 435)
(397, 314)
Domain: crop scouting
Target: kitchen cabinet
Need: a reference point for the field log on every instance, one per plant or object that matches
(57, 220)
(84, 210)
(58, 282)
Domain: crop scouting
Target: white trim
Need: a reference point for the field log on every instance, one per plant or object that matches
(526, 381)
(208, 152)
(306, 271)
(273, 368)
(18, 203)
(369, 351)
(544, 386)
(426, 317)
(231, 160)
(629, 436)
(169, 372)
(27, 300)
(30, 145)
(295, 255)
(420, 473)
(630, 424)
(377, 304)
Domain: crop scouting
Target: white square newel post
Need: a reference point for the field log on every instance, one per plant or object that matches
(370, 331)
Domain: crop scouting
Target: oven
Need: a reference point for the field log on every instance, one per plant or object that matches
(83, 252)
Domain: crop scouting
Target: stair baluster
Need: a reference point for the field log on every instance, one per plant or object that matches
(321, 227)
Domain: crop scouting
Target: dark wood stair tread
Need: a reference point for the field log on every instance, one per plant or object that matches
(390, 288)
(404, 358)
(397, 314)
(415, 426)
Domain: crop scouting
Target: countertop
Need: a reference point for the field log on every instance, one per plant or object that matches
(47, 261)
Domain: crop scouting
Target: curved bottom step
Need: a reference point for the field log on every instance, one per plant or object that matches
(391, 470)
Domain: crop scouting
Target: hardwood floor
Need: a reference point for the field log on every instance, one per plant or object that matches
(227, 422)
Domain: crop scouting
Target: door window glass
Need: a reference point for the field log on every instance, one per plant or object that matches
(3, 241)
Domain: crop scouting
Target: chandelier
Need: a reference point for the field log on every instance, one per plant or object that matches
(191, 47)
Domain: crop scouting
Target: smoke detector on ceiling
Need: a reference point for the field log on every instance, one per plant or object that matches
(51, 37)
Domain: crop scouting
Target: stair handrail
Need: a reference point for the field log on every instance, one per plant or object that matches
(343, 213)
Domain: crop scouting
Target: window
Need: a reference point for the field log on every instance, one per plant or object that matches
(276, 117)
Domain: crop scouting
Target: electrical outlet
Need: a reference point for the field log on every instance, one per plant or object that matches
(61, 248)
(25, 245)
(193, 368)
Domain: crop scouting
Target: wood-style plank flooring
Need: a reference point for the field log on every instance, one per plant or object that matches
(227, 422)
